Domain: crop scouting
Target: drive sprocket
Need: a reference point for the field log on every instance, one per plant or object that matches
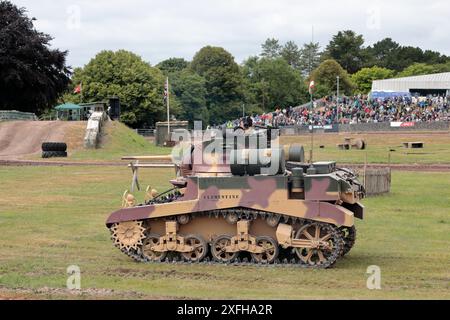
(128, 235)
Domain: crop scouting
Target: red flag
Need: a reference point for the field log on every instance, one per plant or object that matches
(77, 89)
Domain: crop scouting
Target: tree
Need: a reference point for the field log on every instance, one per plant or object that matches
(32, 76)
(325, 78)
(291, 53)
(346, 47)
(124, 74)
(172, 65)
(309, 57)
(441, 67)
(384, 54)
(408, 55)
(417, 69)
(190, 91)
(389, 54)
(223, 82)
(434, 57)
(273, 83)
(271, 49)
(364, 77)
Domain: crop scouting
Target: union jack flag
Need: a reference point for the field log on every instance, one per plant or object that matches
(166, 89)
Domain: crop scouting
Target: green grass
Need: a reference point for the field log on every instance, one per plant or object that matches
(436, 147)
(53, 217)
(118, 140)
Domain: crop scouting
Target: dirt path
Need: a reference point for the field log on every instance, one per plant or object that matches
(21, 138)
(20, 163)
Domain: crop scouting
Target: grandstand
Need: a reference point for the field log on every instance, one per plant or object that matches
(359, 109)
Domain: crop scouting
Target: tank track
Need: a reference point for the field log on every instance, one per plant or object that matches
(349, 238)
(287, 257)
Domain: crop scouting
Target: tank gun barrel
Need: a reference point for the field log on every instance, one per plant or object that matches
(151, 165)
(147, 158)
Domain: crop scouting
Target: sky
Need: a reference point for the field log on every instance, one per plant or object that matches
(157, 29)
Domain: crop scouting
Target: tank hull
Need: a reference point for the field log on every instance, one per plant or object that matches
(244, 211)
(267, 194)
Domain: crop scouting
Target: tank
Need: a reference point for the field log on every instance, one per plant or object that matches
(249, 200)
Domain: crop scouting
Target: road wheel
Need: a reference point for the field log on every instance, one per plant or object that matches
(270, 252)
(218, 249)
(149, 254)
(200, 248)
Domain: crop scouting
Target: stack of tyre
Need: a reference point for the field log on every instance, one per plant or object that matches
(54, 149)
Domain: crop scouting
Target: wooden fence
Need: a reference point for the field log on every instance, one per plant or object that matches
(375, 181)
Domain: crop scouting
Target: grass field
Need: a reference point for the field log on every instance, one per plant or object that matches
(436, 147)
(53, 217)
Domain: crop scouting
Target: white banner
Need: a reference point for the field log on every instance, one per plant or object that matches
(402, 124)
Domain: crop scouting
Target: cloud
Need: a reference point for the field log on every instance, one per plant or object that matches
(160, 29)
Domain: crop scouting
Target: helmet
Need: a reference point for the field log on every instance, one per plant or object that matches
(248, 122)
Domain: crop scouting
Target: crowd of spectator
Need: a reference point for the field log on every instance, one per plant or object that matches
(358, 109)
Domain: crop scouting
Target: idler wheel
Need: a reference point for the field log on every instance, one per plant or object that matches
(218, 249)
(200, 248)
(327, 245)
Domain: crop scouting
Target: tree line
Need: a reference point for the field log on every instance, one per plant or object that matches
(212, 87)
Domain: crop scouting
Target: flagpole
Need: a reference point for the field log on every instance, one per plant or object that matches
(337, 101)
(311, 88)
(168, 109)
(312, 129)
(81, 91)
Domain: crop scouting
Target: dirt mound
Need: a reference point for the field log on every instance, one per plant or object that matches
(22, 138)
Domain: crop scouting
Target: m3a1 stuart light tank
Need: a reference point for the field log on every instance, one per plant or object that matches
(248, 199)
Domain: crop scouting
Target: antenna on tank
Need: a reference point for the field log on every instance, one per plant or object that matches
(311, 88)
(310, 52)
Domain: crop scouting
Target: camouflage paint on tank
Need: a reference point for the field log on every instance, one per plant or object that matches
(321, 188)
(191, 190)
(265, 193)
